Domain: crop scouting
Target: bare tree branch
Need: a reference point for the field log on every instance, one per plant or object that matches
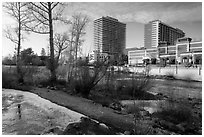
(54, 5)
(10, 36)
(38, 7)
(45, 6)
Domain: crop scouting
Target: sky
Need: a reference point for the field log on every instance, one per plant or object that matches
(186, 16)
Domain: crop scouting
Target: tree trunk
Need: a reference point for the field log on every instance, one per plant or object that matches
(52, 58)
(19, 73)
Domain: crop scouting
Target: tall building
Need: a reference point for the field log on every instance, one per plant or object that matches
(157, 31)
(109, 36)
(184, 51)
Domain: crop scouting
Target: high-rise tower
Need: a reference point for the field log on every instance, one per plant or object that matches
(109, 36)
(157, 31)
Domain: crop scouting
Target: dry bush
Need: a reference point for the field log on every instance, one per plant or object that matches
(86, 78)
(175, 111)
(135, 88)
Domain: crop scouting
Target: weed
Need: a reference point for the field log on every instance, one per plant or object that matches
(175, 112)
(9, 80)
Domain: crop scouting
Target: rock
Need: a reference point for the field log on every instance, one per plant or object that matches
(115, 106)
(55, 88)
(52, 88)
(53, 131)
(86, 126)
(127, 133)
(168, 125)
(103, 125)
(180, 128)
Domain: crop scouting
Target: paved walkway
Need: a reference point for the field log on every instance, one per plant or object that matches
(88, 108)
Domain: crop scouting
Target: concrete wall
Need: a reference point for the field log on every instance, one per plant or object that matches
(180, 73)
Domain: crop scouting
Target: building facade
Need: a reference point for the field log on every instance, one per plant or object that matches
(137, 56)
(109, 36)
(157, 31)
(184, 51)
(188, 51)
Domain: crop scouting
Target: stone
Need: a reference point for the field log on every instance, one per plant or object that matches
(87, 126)
(167, 125)
(127, 133)
(103, 125)
(53, 131)
(52, 88)
(115, 106)
(180, 128)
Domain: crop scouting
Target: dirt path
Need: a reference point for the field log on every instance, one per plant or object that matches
(88, 108)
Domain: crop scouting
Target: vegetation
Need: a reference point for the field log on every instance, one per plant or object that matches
(10, 81)
(98, 82)
(18, 11)
(85, 78)
(176, 113)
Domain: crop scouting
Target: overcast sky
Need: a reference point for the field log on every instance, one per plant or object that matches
(184, 15)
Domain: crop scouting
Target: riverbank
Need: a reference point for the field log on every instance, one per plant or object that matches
(87, 107)
(120, 122)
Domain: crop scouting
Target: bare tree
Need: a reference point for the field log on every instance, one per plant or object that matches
(18, 11)
(44, 14)
(79, 22)
(77, 31)
(61, 42)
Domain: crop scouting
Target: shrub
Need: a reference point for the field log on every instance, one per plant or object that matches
(85, 79)
(28, 73)
(61, 72)
(135, 88)
(42, 77)
(175, 112)
(9, 80)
